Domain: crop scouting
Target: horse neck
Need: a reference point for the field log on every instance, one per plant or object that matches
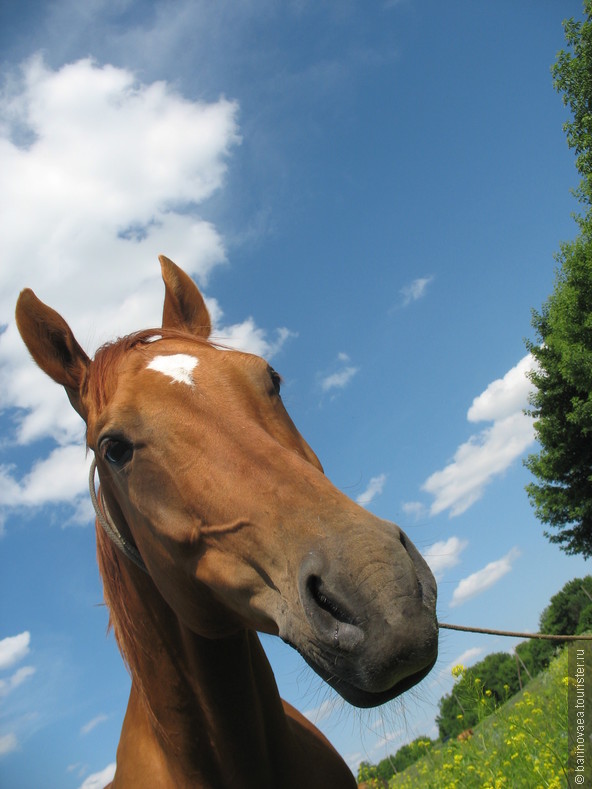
(202, 712)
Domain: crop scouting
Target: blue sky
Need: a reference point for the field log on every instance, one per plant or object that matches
(371, 195)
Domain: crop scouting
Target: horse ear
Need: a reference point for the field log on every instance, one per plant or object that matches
(53, 346)
(184, 307)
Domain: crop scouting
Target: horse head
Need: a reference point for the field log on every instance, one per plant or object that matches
(203, 472)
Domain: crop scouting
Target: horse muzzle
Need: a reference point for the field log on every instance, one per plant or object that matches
(369, 627)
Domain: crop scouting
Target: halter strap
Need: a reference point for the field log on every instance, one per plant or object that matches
(109, 527)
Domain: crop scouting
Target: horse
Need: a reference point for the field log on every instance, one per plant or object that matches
(215, 521)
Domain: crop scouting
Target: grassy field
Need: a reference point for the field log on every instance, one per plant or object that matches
(523, 744)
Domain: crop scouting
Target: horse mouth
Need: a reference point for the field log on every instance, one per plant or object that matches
(350, 690)
(365, 699)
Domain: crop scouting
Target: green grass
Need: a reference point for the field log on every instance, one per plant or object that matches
(522, 744)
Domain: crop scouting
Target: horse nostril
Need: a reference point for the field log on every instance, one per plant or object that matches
(332, 621)
(314, 587)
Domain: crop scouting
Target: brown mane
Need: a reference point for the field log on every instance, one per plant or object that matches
(126, 628)
(131, 633)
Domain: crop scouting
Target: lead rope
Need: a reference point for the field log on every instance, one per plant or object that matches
(547, 636)
(109, 527)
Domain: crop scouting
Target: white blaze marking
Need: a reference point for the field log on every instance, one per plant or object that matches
(178, 366)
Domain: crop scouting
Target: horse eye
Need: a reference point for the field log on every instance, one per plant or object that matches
(276, 380)
(117, 451)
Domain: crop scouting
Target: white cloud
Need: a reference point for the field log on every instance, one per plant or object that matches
(353, 760)
(338, 380)
(389, 737)
(415, 290)
(443, 555)
(476, 462)
(92, 724)
(79, 768)
(8, 744)
(248, 336)
(373, 489)
(489, 453)
(483, 579)
(13, 649)
(341, 377)
(504, 397)
(414, 509)
(61, 477)
(465, 659)
(322, 712)
(19, 676)
(100, 174)
(100, 779)
(112, 162)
